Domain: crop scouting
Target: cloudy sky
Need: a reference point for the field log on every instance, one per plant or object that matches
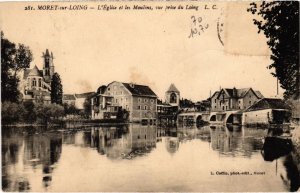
(96, 47)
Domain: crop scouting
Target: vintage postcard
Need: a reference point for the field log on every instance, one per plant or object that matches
(150, 96)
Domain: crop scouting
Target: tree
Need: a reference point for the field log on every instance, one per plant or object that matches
(56, 89)
(30, 113)
(185, 103)
(280, 24)
(45, 112)
(13, 59)
(70, 109)
(11, 112)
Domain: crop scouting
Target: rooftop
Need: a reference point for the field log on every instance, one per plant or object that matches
(268, 103)
(32, 72)
(172, 88)
(240, 93)
(139, 90)
(85, 95)
(68, 97)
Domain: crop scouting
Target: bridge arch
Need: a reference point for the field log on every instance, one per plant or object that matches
(199, 119)
(213, 118)
(229, 119)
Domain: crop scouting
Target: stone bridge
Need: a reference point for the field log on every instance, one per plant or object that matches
(223, 117)
(192, 117)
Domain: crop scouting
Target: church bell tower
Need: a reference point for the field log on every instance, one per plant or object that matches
(173, 95)
(48, 68)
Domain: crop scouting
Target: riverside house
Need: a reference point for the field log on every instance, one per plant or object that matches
(234, 99)
(267, 111)
(139, 100)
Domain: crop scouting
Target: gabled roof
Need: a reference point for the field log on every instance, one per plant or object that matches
(268, 103)
(68, 97)
(173, 88)
(240, 93)
(258, 93)
(215, 94)
(139, 90)
(85, 95)
(32, 72)
(227, 91)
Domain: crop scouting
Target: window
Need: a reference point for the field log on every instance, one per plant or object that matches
(139, 100)
(126, 99)
(223, 108)
(145, 100)
(152, 101)
(116, 100)
(145, 107)
(215, 100)
(139, 107)
(33, 82)
(215, 107)
(239, 102)
(40, 82)
(173, 98)
(108, 89)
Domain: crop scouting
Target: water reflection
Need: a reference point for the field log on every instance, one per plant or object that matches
(27, 148)
(276, 148)
(31, 157)
(122, 142)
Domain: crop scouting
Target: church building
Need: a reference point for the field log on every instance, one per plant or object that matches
(35, 85)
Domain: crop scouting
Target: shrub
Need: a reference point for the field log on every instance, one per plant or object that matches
(12, 112)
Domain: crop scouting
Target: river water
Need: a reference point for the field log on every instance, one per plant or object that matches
(146, 158)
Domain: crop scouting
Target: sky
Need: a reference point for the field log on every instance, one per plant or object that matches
(95, 47)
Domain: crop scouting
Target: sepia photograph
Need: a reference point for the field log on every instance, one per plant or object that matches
(150, 96)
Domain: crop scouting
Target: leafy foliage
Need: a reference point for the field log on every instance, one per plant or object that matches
(186, 103)
(280, 24)
(47, 111)
(11, 112)
(56, 89)
(13, 59)
(29, 112)
(70, 109)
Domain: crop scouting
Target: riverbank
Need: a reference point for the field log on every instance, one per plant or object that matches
(296, 143)
(71, 123)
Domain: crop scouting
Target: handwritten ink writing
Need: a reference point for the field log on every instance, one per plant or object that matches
(198, 27)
